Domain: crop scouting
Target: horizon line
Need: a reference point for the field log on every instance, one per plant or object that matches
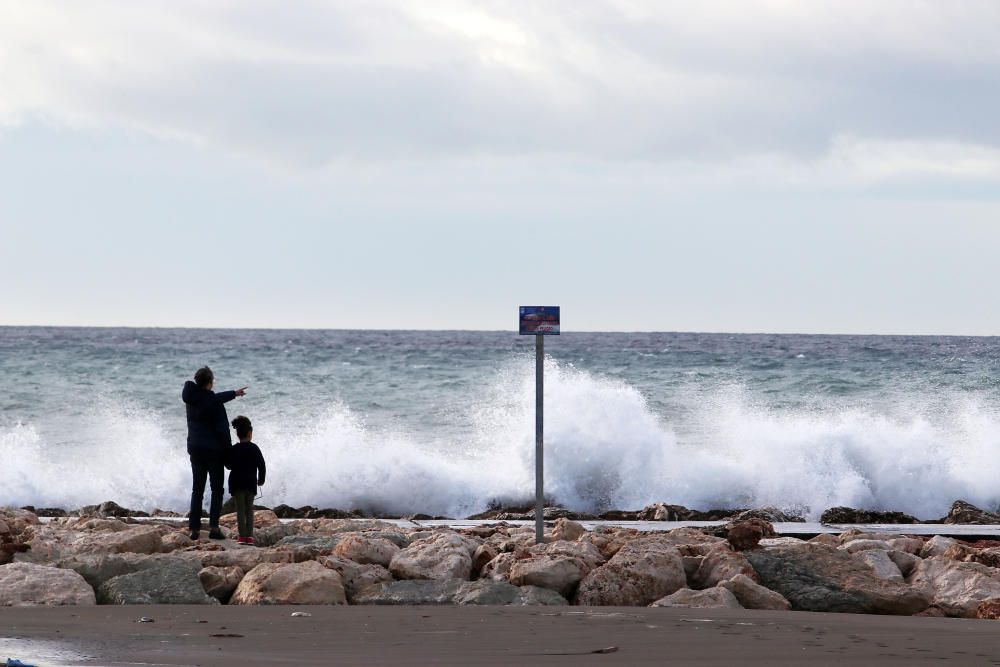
(512, 331)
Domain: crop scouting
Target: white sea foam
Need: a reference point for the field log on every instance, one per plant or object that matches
(604, 448)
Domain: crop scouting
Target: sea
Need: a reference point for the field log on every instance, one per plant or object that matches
(442, 422)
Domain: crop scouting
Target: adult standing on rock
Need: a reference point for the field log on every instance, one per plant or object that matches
(207, 443)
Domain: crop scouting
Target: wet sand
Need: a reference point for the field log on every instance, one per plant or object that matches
(248, 636)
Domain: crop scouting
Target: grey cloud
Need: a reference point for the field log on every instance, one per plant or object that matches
(343, 80)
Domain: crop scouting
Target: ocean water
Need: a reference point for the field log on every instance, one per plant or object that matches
(443, 422)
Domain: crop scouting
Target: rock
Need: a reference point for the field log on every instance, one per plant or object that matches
(99, 568)
(133, 539)
(911, 545)
(988, 609)
(989, 557)
(854, 546)
(937, 546)
(720, 564)
(609, 539)
(752, 595)
(295, 583)
(905, 561)
(713, 598)
(30, 584)
(558, 566)
(262, 518)
(567, 530)
(956, 588)
(780, 541)
(558, 573)
(109, 508)
(747, 534)
(687, 537)
(483, 554)
(822, 538)
(322, 545)
(499, 568)
(355, 576)
(440, 555)
(175, 540)
(172, 581)
(644, 570)
(881, 564)
(220, 582)
(365, 550)
(963, 512)
(770, 514)
(246, 559)
(456, 591)
(268, 536)
(818, 577)
(17, 521)
(852, 515)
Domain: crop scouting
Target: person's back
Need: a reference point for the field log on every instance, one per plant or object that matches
(207, 421)
(247, 472)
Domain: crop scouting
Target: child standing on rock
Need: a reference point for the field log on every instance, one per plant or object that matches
(246, 465)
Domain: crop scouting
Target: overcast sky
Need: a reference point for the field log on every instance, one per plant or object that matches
(696, 166)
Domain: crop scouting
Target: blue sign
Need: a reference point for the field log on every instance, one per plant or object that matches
(539, 320)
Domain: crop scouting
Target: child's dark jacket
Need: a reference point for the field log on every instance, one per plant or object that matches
(246, 464)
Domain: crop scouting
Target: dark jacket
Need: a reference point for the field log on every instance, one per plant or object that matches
(208, 423)
(247, 465)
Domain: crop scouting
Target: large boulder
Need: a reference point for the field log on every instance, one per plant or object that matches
(221, 582)
(963, 512)
(355, 576)
(499, 568)
(713, 598)
(134, 539)
(456, 591)
(852, 515)
(558, 573)
(366, 550)
(752, 595)
(937, 546)
(30, 584)
(295, 583)
(818, 577)
(881, 564)
(558, 566)
(956, 588)
(438, 555)
(99, 568)
(172, 581)
(609, 539)
(719, 564)
(644, 570)
(568, 530)
(746, 535)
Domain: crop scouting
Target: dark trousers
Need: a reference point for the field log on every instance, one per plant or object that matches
(206, 464)
(244, 511)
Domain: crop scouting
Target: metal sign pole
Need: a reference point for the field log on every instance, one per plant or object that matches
(539, 407)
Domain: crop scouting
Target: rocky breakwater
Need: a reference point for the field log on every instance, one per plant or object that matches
(146, 560)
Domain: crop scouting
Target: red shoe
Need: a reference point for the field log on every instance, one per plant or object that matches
(248, 541)
(241, 540)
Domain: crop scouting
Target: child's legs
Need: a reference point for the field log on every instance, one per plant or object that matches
(244, 507)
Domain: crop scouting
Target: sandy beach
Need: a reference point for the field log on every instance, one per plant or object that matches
(448, 635)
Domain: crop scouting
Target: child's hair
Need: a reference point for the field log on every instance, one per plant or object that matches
(243, 426)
